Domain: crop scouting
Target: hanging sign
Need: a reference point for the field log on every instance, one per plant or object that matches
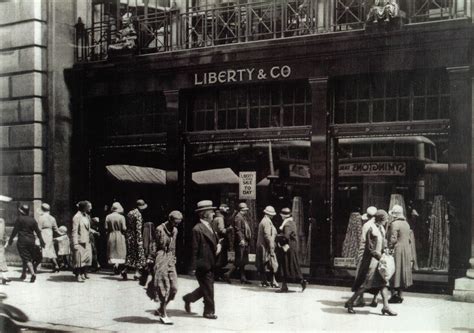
(372, 169)
(242, 75)
(247, 185)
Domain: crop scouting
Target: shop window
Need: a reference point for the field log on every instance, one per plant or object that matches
(406, 171)
(256, 106)
(133, 114)
(391, 97)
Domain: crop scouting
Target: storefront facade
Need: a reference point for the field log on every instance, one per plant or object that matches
(326, 125)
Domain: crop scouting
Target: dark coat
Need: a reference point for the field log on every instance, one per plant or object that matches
(204, 247)
(288, 261)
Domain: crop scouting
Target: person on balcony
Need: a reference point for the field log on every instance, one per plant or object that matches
(382, 10)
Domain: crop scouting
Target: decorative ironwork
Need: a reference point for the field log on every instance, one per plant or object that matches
(168, 29)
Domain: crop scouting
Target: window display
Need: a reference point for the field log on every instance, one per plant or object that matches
(389, 171)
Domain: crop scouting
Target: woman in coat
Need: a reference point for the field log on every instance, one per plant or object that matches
(368, 278)
(163, 255)
(81, 225)
(288, 261)
(115, 227)
(48, 226)
(265, 256)
(26, 227)
(399, 239)
(3, 262)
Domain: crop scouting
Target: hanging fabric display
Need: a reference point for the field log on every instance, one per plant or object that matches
(253, 222)
(438, 240)
(350, 247)
(298, 217)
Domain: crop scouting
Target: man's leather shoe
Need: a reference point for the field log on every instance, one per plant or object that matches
(209, 316)
(187, 306)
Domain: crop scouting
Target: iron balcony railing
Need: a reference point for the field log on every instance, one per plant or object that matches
(240, 22)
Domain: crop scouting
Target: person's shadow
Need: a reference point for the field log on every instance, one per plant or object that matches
(176, 313)
(136, 320)
(62, 278)
(337, 307)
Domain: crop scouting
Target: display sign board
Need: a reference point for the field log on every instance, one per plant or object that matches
(372, 169)
(236, 75)
(247, 185)
(344, 262)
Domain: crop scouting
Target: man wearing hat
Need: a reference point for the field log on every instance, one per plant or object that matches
(205, 249)
(219, 227)
(135, 251)
(242, 238)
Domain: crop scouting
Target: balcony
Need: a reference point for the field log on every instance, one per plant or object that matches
(236, 22)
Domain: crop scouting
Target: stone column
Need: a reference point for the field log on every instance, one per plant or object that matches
(460, 184)
(320, 185)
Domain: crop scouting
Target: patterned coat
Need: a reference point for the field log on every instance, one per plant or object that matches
(135, 252)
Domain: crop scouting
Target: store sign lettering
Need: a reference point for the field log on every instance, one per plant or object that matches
(247, 185)
(241, 75)
(372, 169)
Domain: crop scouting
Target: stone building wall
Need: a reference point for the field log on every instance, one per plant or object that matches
(36, 45)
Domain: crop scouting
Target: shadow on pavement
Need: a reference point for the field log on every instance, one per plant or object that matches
(62, 278)
(341, 310)
(137, 320)
(332, 303)
(259, 289)
(176, 313)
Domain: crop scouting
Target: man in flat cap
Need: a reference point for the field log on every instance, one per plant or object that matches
(205, 249)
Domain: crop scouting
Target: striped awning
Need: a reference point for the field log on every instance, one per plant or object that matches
(137, 174)
(215, 177)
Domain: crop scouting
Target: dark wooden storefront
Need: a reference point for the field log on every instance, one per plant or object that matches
(319, 61)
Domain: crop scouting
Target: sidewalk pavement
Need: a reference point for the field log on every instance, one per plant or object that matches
(105, 302)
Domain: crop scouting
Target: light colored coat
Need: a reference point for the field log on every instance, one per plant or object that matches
(80, 229)
(265, 242)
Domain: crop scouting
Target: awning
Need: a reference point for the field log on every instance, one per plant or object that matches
(215, 177)
(266, 181)
(137, 174)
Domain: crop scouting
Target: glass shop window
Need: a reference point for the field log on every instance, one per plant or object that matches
(132, 114)
(254, 106)
(391, 97)
(409, 171)
(280, 177)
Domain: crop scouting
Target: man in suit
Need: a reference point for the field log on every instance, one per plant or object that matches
(242, 238)
(205, 249)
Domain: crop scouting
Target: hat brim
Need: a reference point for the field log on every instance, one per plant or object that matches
(269, 213)
(246, 208)
(145, 206)
(205, 208)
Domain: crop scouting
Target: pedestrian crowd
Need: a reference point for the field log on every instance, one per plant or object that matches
(150, 252)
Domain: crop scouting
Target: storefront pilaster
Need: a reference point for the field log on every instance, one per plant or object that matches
(460, 179)
(173, 149)
(320, 186)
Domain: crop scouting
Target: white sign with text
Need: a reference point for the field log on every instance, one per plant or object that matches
(247, 185)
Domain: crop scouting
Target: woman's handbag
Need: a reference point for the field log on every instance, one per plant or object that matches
(386, 266)
(272, 263)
